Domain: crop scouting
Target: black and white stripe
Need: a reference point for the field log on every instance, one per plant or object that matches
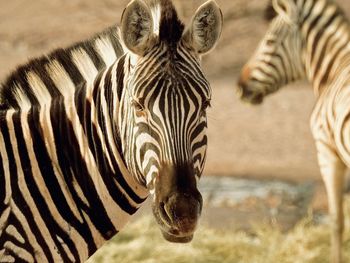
(87, 132)
(310, 38)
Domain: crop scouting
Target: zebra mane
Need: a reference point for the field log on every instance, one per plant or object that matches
(167, 23)
(16, 91)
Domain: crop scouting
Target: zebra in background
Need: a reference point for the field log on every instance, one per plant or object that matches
(87, 132)
(310, 38)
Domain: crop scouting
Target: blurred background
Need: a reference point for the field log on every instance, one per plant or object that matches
(261, 164)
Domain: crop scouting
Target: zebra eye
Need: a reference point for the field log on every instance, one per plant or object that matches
(270, 42)
(206, 105)
(137, 106)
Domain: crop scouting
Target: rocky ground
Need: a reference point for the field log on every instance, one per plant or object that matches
(271, 141)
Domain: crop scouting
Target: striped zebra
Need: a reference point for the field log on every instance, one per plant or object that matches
(88, 132)
(310, 38)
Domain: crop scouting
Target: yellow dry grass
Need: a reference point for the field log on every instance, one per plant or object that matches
(141, 242)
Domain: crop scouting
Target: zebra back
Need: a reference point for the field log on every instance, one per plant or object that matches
(61, 71)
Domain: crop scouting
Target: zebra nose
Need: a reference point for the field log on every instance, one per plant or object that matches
(183, 210)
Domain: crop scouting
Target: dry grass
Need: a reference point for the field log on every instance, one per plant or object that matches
(141, 242)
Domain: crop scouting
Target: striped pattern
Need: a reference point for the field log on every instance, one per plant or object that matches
(63, 178)
(87, 132)
(310, 38)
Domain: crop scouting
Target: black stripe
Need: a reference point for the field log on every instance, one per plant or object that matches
(94, 55)
(118, 49)
(331, 63)
(306, 17)
(120, 77)
(320, 35)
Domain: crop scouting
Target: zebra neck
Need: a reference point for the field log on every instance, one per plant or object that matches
(91, 164)
(326, 39)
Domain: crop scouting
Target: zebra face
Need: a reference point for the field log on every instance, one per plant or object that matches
(167, 133)
(163, 120)
(277, 60)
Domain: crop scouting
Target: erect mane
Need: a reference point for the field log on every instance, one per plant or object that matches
(170, 26)
(16, 90)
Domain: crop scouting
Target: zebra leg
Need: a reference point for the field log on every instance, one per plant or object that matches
(333, 172)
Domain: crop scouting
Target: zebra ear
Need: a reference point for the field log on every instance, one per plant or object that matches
(287, 9)
(137, 27)
(205, 28)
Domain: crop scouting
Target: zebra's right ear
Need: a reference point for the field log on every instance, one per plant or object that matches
(137, 27)
(205, 28)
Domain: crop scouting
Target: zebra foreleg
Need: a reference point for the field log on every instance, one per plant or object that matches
(333, 173)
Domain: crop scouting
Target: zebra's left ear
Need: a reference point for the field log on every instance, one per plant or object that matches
(205, 28)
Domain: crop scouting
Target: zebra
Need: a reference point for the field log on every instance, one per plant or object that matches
(87, 133)
(310, 39)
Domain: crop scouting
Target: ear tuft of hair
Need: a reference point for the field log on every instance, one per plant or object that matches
(171, 28)
(270, 12)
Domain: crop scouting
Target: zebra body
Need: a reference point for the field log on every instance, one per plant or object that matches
(310, 38)
(87, 132)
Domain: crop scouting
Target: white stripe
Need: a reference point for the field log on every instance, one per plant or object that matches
(105, 49)
(39, 89)
(61, 78)
(12, 231)
(21, 98)
(85, 65)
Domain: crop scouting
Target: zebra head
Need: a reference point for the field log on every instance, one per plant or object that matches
(277, 60)
(162, 118)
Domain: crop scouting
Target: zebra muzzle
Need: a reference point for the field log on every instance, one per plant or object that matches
(179, 216)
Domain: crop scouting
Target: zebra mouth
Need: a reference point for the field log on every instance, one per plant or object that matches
(174, 229)
(254, 99)
(251, 97)
(177, 239)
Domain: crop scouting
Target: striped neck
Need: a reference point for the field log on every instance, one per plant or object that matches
(91, 160)
(325, 32)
